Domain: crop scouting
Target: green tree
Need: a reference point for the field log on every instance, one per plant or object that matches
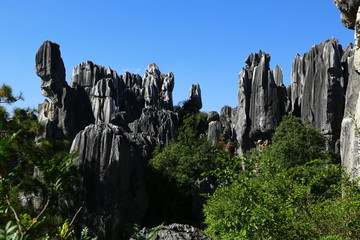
(6, 95)
(39, 172)
(290, 191)
(174, 169)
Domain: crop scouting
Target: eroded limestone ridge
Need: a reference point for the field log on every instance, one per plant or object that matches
(262, 101)
(96, 94)
(324, 91)
(114, 122)
(318, 87)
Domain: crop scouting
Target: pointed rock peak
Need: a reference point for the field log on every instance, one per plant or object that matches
(49, 66)
(195, 96)
(152, 69)
(278, 76)
(255, 59)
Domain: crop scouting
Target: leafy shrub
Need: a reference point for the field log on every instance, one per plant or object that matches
(290, 191)
(174, 170)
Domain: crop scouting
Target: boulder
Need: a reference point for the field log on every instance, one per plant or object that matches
(214, 131)
(174, 231)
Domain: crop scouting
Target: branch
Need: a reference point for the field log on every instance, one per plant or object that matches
(76, 214)
(39, 215)
(14, 212)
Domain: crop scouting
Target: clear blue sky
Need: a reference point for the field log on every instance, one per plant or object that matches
(200, 41)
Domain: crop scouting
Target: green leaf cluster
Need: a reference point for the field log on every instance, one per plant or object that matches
(290, 190)
(174, 168)
(32, 172)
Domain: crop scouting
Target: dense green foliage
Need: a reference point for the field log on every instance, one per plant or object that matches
(174, 168)
(33, 179)
(290, 190)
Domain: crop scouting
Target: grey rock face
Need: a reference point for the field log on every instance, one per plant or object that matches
(61, 118)
(110, 188)
(348, 9)
(115, 121)
(176, 231)
(213, 116)
(349, 139)
(214, 131)
(260, 104)
(158, 124)
(221, 126)
(318, 88)
(195, 97)
(350, 17)
(158, 88)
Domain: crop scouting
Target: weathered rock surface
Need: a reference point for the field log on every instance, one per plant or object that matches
(195, 97)
(349, 139)
(176, 231)
(348, 11)
(157, 124)
(115, 121)
(318, 88)
(260, 104)
(61, 118)
(350, 17)
(111, 187)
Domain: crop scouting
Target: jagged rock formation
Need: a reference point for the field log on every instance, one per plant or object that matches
(349, 140)
(261, 101)
(318, 89)
(214, 127)
(348, 11)
(317, 94)
(195, 97)
(110, 185)
(350, 17)
(100, 93)
(176, 231)
(115, 121)
(61, 118)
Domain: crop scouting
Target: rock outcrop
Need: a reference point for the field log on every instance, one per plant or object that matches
(61, 118)
(350, 17)
(349, 138)
(115, 121)
(195, 97)
(175, 231)
(318, 89)
(348, 11)
(316, 95)
(110, 186)
(261, 101)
